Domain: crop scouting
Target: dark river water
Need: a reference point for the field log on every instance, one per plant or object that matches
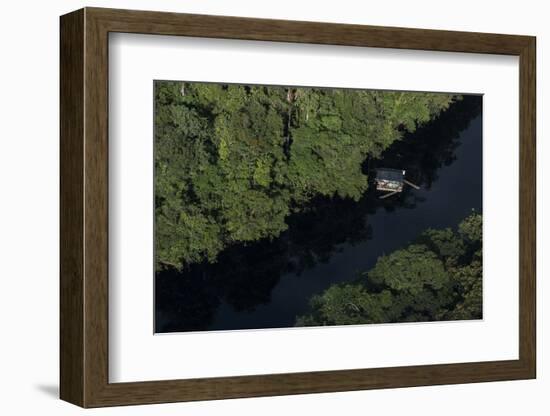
(268, 283)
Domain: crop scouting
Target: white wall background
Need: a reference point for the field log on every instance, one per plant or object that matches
(29, 209)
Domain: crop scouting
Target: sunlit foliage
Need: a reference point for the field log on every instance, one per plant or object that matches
(232, 161)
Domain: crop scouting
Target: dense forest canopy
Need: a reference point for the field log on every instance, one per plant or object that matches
(438, 277)
(232, 162)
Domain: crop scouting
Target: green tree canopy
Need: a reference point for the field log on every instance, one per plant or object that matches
(410, 270)
(439, 277)
(233, 161)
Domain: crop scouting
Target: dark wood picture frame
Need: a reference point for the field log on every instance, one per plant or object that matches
(84, 207)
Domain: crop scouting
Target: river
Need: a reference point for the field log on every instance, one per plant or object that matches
(268, 283)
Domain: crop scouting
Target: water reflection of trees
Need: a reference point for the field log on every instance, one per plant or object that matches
(426, 151)
(245, 275)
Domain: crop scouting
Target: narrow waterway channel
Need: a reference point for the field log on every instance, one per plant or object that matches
(268, 283)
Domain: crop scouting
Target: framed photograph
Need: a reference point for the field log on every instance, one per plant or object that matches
(255, 207)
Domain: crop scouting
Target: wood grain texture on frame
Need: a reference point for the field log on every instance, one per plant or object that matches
(84, 207)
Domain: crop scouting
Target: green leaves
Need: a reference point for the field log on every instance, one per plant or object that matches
(410, 270)
(439, 279)
(253, 217)
(349, 304)
(445, 243)
(471, 228)
(231, 161)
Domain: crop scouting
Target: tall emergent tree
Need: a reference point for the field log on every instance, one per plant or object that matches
(233, 161)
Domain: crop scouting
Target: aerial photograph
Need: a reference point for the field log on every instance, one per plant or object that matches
(299, 206)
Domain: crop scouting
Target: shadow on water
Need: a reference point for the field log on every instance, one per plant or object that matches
(268, 283)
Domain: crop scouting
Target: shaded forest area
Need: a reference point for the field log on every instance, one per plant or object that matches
(232, 162)
(437, 277)
(237, 206)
